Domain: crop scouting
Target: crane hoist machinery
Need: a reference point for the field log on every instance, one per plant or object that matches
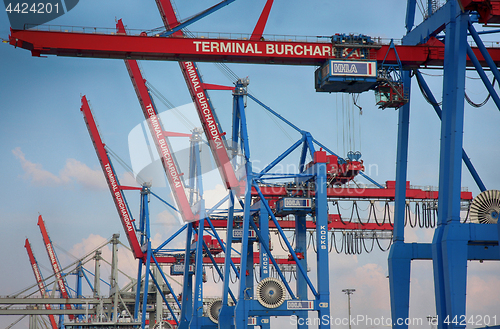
(354, 69)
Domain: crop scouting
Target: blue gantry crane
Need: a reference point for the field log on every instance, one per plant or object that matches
(347, 63)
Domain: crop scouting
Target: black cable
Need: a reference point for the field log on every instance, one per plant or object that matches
(331, 243)
(380, 247)
(372, 209)
(426, 97)
(387, 213)
(418, 215)
(408, 216)
(213, 276)
(338, 211)
(310, 239)
(373, 244)
(477, 105)
(467, 215)
(426, 215)
(231, 277)
(255, 272)
(335, 243)
(355, 206)
(283, 248)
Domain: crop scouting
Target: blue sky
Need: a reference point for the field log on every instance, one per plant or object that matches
(49, 165)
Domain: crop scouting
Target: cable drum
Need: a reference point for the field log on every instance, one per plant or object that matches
(485, 207)
(213, 310)
(163, 325)
(271, 292)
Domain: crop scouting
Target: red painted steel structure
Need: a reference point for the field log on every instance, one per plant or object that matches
(219, 260)
(159, 136)
(356, 192)
(334, 222)
(198, 92)
(39, 281)
(218, 50)
(56, 267)
(261, 23)
(489, 10)
(112, 180)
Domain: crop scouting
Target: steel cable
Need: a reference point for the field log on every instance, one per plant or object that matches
(380, 247)
(355, 207)
(335, 243)
(373, 243)
(477, 105)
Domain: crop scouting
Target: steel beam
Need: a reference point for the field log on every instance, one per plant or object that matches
(432, 25)
(400, 253)
(215, 50)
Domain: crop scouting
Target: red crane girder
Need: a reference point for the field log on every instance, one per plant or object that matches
(219, 260)
(334, 222)
(357, 193)
(143, 47)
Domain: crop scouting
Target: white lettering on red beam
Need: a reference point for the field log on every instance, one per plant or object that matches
(38, 276)
(56, 268)
(203, 105)
(118, 197)
(235, 47)
(162, 143)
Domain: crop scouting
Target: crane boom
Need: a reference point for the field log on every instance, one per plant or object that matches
(159, 136)
(204, 108)
(39, 280)
(112, 180)
(56, 267)
(76, 44)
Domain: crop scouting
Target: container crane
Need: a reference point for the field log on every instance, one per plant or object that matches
(205, 49)
(420, 49)
(112, 179)
(198, 91)
(39, 280)
(54, 262)
(160, 137)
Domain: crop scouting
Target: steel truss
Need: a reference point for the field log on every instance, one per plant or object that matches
(454, 243)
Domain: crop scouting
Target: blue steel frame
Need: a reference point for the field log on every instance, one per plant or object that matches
(191, 304)
(454, 243)
(247, 306)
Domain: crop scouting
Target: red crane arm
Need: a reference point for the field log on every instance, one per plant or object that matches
(39, 280)
(111, 179)
(56, 267)
(159, 136)
(207, 115)
(210, 127)
(217, 50)
(168, 15)
(261, 23)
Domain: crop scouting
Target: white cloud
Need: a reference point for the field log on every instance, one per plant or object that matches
(126, 262)
(73, 171)
(483, 294)
(127, 179)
